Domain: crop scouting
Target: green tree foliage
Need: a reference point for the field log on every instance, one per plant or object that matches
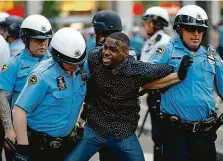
(51, 10)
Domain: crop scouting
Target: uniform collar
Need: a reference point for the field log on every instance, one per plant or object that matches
(25, 54)
(61, 71)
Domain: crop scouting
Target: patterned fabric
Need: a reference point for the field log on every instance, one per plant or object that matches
(112, 94)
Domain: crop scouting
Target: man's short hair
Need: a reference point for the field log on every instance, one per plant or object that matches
(121, 37)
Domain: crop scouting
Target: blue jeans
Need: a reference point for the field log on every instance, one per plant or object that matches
(128, 149)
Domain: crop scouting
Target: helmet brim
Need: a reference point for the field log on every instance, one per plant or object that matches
(61, 57)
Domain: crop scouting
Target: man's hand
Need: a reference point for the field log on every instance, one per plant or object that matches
(10, 134)
(184, 66)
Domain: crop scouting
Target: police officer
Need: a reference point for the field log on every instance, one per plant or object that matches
(5, 55)
(105, 23)
(156, 18)
(36, 33)
(51, 100)
(4, 47)
(188, 108)
(90, 41)
(10, 29)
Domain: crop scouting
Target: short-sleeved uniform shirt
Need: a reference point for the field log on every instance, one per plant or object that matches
(52, 98)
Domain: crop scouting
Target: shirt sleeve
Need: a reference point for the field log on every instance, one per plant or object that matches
(146, 72)
(160, 56)
(8, 76)
(219, 76)
(33, 93)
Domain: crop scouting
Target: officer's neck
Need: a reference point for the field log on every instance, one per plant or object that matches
(69, 72)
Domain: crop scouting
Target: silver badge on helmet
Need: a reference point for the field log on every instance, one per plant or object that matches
(12, 26)
(43, 28)
(199, 17)
(77, 53)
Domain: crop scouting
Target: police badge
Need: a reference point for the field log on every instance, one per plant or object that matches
(4, 67)
(211, 52)
(160, 50)
(61, 84)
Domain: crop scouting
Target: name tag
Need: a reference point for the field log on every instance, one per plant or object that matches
(176, 57)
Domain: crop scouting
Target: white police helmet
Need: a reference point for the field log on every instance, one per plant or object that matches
(157, 13)
(36, 27)
(68, 45)
(191, 15)
(3, 16)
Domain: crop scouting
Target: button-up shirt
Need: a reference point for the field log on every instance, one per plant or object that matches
(112, 95)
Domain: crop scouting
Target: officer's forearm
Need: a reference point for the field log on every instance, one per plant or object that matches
(5, 111)
(163, 82)
(20, 125)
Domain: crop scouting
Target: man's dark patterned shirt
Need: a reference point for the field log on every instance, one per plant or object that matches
(113, 104)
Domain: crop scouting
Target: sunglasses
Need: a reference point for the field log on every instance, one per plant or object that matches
(194, 28)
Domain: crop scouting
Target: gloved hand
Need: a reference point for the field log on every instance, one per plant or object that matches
(22, 153)
(184, 66)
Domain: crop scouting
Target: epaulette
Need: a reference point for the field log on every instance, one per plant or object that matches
(158, 37)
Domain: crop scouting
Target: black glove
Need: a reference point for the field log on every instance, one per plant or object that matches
(22, 153)
(184, 66)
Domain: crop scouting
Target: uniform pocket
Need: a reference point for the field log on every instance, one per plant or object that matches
(23, 74)
(209, 73)
(61, 94)
(174, 63)
(24, 71)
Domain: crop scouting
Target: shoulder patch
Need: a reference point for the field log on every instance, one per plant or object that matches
(4, 67)
(33, 79)
(160, 50)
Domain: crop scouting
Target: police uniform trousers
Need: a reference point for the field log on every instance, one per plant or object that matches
(153, 102)
(179, 145)
(45, 154)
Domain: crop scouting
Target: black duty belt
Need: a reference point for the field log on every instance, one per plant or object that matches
(43, 139)
(210, 124)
